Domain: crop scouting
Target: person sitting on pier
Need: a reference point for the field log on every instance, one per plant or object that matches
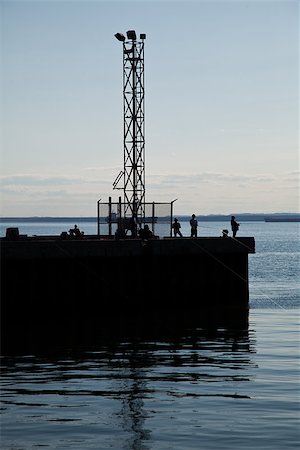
(145, 233)
(120, 232)
(225, 233)
(176, 227)
(75, 232)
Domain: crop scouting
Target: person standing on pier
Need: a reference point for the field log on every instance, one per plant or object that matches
(234, 226)
(194, 226)
(176, 227)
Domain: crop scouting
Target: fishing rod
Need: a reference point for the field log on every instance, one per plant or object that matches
(233, 271)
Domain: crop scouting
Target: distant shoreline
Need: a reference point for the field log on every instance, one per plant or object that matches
(244, 217)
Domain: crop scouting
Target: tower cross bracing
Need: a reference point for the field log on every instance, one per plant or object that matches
(134, 126)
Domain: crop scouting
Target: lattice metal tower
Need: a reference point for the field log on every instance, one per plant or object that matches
(133, 173)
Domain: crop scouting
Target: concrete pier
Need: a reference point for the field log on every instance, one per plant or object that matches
(55, 287)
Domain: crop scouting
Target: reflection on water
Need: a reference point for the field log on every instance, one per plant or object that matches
(128, 394)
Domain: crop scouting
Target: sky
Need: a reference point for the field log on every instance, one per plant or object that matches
(221, 105)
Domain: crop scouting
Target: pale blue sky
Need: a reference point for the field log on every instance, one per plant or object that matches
(221, 105)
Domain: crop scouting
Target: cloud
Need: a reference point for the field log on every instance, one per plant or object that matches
(46, 180)
(103, 168)
(292, 177)
(208, 192)
(207, 177)
(36, 180)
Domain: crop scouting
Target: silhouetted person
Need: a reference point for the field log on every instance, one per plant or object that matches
(120, 232)
(234, 226)
(176, 227)
(75, 232)
(194, 225)
(225, 233)
(132, 227)
(145, 233)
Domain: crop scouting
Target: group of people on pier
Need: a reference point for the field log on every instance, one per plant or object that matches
(145, 233)
(194, 227)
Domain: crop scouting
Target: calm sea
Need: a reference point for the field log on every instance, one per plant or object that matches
(201, 389)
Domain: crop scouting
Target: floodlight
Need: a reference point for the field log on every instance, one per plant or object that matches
(120, 37)
(131, 35)
(142, 36)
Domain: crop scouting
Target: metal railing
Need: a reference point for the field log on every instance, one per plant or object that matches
(113, 218)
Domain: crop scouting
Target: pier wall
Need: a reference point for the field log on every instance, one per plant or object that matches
(58, 285)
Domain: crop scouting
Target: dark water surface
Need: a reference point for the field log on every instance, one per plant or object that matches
(193, 389)
(216, 389)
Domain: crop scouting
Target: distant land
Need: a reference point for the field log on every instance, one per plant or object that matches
(243, 217)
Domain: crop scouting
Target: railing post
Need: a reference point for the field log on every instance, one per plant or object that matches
(153, 217)
(109, 216)
(172, 215)
(120, 224)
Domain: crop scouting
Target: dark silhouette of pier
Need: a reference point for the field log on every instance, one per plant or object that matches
(53, 288)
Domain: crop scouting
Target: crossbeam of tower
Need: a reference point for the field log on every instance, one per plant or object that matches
(134, 126)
